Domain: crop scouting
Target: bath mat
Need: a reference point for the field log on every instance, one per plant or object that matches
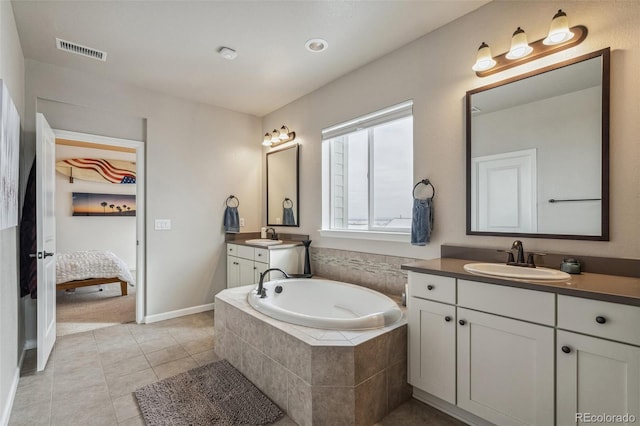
(214, 394)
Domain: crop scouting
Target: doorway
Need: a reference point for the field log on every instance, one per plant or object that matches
(106, 297)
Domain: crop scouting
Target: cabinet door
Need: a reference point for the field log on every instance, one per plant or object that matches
(259, 268)
(596, 376)
(505, 369)
(432, 348)
(247, 272)
(233, 272)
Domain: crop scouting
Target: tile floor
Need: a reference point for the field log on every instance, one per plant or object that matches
(90, 376)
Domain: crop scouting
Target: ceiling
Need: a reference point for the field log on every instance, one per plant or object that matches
(171, 46)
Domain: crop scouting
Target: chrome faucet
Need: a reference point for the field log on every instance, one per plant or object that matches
(274, 236)
(262, 292)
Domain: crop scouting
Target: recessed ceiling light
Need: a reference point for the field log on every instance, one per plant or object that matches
(316, 45)
(228, 53)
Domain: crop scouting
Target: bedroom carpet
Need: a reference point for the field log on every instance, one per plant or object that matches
(214, 394)
(87, 308)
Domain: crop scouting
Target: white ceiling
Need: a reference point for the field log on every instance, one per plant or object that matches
(170, 46)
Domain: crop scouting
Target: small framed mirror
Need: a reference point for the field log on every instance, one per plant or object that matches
(538, 153)
(282, 187)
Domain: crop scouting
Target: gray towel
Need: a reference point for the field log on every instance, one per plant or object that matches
(287, 216)
(231, 219)
(422, 221)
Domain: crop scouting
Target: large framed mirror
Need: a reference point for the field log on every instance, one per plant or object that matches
(538, 153)
(282, 187)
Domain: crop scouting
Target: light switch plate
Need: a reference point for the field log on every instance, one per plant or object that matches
(162, 224)
(242, 221)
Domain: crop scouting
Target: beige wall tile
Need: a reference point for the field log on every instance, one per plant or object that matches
(399, 390)
(299, 400)
(333, 406)
(332, 366)
(371, 400)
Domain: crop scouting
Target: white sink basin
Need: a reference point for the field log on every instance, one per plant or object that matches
(517, 272)
(264, 242)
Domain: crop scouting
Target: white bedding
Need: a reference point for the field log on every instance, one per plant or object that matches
(82, 265)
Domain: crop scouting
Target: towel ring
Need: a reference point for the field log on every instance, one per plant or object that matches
(230, 199)
(284, 203)
(425, 182)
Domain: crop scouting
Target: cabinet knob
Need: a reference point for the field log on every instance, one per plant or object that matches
(566, 349)
(447, 318)
(600, 319)
(254, 268)
(430, 287)
(462, 322)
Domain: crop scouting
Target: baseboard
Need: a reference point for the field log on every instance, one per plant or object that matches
(450, 409)
(6, 410)
(179, 313)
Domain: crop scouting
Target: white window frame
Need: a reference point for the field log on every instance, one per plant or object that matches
(369, 121)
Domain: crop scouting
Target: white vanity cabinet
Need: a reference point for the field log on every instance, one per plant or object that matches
(596, 375)
(487, 349)
(246, 263)
(432, 335)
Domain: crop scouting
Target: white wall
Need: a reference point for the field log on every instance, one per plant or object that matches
(12, 72)
(74, 233)
(196, 155)
(435, 71)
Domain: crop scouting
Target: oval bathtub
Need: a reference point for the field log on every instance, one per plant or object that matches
(326, 304)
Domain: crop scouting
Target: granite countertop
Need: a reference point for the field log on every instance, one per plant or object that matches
(609, 288)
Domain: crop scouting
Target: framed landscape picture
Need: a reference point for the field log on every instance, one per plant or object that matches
(88, 204)
(9, 160)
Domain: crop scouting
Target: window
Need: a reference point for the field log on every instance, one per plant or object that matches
(368, 172)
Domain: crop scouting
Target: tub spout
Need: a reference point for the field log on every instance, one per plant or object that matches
(261, 290)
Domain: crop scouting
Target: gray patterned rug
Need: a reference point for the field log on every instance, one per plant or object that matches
(214, 394)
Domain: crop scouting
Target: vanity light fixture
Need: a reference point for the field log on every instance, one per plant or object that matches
(559, 38)
(278, 137)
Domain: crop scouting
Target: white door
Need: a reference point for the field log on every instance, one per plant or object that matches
(505, 369)
(504, 198)
(596, 376)
(233, 272)
(46, 225)
(432, 348)
(259, 268)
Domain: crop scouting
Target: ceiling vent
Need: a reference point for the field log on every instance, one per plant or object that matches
(79, 49)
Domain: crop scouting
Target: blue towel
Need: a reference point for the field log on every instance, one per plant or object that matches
(287, 216)
(422, 221)
(231, 219)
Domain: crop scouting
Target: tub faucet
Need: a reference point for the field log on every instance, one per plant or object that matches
(262, 292)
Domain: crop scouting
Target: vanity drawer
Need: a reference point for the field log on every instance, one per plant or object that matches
(246, 252)
(433, 287)
(232, 249)
(261, 255)
(519, 303)
(603, 319)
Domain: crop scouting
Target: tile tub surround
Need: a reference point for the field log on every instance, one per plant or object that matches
(319, 377)
(376, 271)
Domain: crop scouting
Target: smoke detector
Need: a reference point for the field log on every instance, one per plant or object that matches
(81, 50)
(228, 53)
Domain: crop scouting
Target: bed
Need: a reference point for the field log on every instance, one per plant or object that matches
(86, 268)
